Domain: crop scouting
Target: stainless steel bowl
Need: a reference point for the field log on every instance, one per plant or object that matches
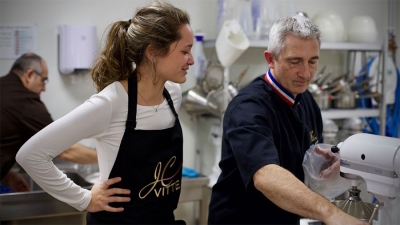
(358, 209)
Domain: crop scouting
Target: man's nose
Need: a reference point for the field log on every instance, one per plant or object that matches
(305, 72)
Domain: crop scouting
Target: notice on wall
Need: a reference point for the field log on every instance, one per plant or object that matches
(16, 40)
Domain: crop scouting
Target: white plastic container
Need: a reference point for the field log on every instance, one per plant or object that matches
(200, 60)
(362, 29)
(231, 43)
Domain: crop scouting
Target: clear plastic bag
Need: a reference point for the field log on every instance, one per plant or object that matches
(321, 171)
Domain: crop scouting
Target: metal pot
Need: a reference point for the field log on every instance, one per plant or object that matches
(330, 131)
(348, 99)
(323, 100)
(345, 100)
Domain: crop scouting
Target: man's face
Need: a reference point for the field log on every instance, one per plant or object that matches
(36, 80)
(296, 65)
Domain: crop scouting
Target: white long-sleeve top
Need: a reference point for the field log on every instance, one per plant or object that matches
(101, 117)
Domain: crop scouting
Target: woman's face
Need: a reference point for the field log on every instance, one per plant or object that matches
(174, 65)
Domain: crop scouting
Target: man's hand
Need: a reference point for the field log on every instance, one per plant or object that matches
(16, 182)
(102, 195)
(333, 159)
(78, 153)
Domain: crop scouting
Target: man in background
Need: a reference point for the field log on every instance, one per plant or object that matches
(23, 114)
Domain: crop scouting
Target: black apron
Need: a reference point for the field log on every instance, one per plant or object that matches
(150, 165)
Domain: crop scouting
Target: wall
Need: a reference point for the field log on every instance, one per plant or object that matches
(64, 93)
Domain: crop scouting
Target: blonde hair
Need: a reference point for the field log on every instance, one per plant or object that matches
(157, 24)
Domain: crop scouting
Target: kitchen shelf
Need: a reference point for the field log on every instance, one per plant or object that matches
(342, 46)
(348, 113)
(324, 45)
(351, 46)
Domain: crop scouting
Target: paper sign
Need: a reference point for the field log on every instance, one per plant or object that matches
(16, 40)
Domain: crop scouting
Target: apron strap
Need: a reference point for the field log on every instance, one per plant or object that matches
(170, 102)
(132, 100)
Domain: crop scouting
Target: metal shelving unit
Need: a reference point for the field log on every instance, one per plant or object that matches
(324, 45)
(344, 46)
(348, 113)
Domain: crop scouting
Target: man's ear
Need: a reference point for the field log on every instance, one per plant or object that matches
(28, 74)
(269, 57)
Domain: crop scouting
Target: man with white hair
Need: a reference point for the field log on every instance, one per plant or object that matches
(267, 129)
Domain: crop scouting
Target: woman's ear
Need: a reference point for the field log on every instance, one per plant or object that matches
(269, 57)
(150, 52)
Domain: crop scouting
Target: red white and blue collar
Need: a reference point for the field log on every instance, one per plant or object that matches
(281, 91)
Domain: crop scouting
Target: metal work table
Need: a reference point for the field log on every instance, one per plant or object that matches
(39, 204)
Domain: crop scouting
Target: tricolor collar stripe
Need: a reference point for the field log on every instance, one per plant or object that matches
(285, 95)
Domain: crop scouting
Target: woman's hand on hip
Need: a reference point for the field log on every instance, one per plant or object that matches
(102, 195)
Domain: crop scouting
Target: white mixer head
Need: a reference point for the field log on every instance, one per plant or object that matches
(375, 159)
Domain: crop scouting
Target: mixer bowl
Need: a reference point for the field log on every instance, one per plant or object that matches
(359, 209)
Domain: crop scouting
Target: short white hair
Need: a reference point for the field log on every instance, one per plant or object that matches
(296, 25)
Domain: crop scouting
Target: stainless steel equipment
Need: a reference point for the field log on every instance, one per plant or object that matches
(330, 131)
(39, 207)
(375, 160)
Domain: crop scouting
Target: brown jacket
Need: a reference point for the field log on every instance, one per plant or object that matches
(23, 114)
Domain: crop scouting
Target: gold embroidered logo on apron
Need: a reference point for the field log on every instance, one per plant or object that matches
(166, 188)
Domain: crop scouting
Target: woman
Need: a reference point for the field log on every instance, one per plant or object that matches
(133, 121)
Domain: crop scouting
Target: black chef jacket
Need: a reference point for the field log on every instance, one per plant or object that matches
(261, 127)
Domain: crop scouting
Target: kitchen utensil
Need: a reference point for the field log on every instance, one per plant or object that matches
(331, 25)
(345, 100)
(240, 77)
(214, 77)
(327, 27)
(231, 43)
(354, 86)
(233, 87)
(362, 29)
(217, 101)
(335, 81)
(348, 101)
(329, 132)
(322, 80)
(358, 209)
(352, 126)
(319, 74)
(195, 101)
(324, 97)
(303, 14)
(313, 88)
(323, 100)
(233, 91)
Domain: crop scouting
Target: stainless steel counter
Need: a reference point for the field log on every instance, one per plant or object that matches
(37, 203)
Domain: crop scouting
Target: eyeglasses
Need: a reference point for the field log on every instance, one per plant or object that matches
(45, 80)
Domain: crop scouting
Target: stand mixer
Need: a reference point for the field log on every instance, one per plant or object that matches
(375, 160)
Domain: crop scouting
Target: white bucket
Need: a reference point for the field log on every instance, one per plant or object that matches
(231, 43)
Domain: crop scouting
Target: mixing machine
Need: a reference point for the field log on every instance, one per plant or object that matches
(375, 160)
